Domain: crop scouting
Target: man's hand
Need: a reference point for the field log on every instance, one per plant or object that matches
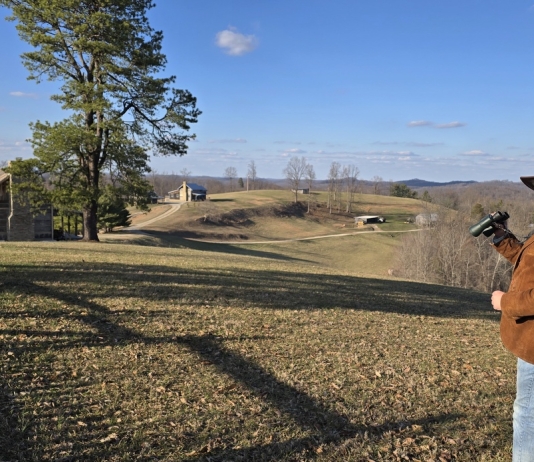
(500, 228)
(496, 299)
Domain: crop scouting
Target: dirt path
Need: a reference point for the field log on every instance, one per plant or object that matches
(137, 229)
(174, 208)
(301, 238)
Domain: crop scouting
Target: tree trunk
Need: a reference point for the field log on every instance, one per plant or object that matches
(90, 228)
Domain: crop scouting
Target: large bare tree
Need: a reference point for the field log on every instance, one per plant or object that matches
(230, 173)
(310, 178)
(294, 172)
(334, 177)
(251, 174)
(350, 175)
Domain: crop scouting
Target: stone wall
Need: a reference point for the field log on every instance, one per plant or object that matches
(183, 193)
(21, 224)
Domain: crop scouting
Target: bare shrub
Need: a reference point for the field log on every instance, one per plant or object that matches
(447, 254)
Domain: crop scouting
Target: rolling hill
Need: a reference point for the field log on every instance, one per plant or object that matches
(264, 219)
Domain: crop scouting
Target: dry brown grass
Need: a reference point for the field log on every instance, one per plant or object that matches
(272, 215)
(214, 353)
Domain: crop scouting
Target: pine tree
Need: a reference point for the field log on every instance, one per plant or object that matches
(107, 57)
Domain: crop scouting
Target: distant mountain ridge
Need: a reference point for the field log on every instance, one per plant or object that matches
(417, 183)
(282, 182)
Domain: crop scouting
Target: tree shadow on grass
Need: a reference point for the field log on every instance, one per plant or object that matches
(325, 425)
(103, 328)
(27, 439)
(181, 241)
(266, 289)
(12, 438)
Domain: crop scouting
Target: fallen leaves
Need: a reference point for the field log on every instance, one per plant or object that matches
(110, 437)
(116, 364)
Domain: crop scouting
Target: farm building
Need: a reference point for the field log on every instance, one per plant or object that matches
(17, 223)
(426, 219)
(189, 192)
(365, 219)
(302, 191)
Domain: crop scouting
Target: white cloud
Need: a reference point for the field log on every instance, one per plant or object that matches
(234, 43)
(294, 151)
(14, 146)
(21, 94)
(419, 123)
(427, 123)
(475, 153)
(383, 154)
(451, 125)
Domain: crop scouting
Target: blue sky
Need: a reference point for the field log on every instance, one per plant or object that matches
(438, 90)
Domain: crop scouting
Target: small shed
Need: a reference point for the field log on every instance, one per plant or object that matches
(366, 219)
(426, 219)
(189, 192)
(153, 197)
(301, 191)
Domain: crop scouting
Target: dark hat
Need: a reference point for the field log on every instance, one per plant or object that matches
(528, 181)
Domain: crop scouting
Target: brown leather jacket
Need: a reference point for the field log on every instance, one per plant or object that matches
(517, 320)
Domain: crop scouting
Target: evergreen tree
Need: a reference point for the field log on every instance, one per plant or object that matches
(112, 210)
(401, 190)
(107, 57)
(426, 197)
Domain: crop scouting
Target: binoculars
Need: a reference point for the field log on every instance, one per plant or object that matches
(487, 226)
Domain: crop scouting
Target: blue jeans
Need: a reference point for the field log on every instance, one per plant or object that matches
(524, 414)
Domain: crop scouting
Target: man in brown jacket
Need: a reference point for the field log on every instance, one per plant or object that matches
(517, 331)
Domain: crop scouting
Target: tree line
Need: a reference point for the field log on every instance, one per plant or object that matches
(445, 253)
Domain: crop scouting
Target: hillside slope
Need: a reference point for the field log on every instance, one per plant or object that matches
(271, 216)
(124, 352)
(257, 214)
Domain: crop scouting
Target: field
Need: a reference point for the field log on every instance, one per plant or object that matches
(271, 215)
(193, 351)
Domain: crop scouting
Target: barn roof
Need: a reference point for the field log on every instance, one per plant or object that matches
(194, 187)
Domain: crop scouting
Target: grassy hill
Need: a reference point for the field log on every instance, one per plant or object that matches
(272, 216)
(203, 352)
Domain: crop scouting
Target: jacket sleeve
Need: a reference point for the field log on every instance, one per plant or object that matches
(518, 302)
(509, 248)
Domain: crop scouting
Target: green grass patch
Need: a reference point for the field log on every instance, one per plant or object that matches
(206, 352)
